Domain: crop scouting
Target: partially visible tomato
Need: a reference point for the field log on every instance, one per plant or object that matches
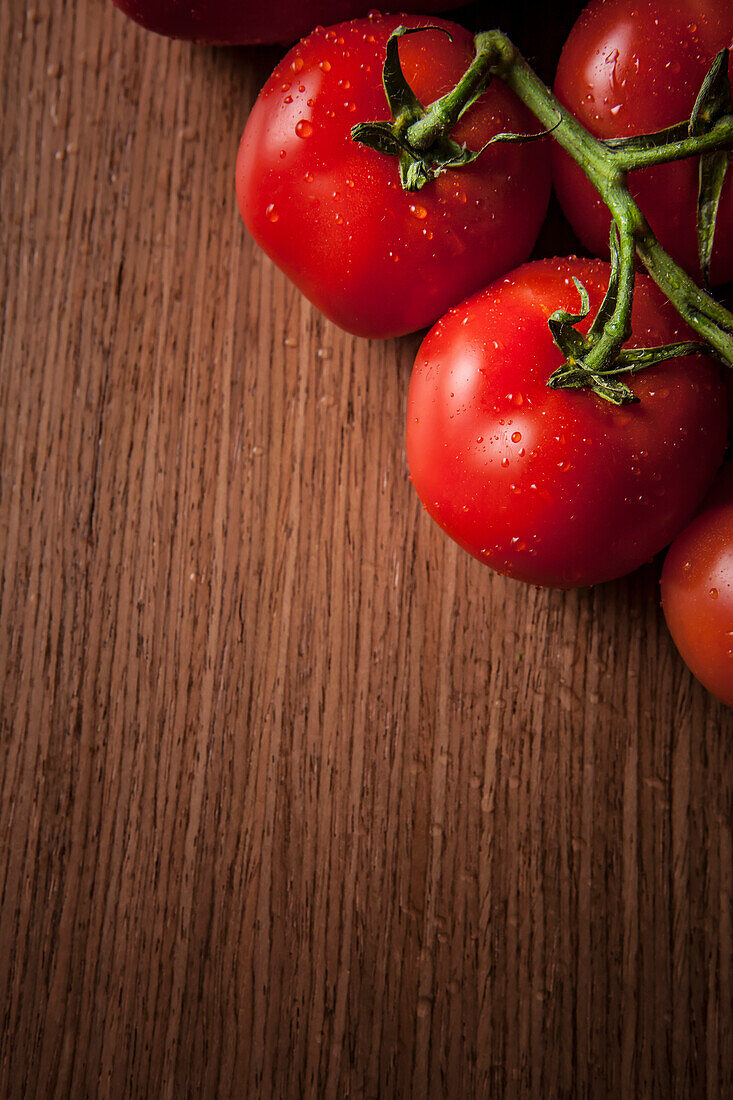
(379, 260)
(633, 67)
(251, 21)
(556, 487)
(697, 591)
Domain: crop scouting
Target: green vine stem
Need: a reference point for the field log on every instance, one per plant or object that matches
(606, 168)
(421, 138)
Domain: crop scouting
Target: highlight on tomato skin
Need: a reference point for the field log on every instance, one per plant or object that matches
(633, 67)
(252, 22)
(697, 591)
(555, 487)
(377, 260)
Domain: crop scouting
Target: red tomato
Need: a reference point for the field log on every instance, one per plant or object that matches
(633, 67)
(250, 21)
(697, 591)
(378, 260)
(556, 487)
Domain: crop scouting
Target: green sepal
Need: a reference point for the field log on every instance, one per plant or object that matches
(610, 298)
(633, 360)
(573, 318)
(378, 136)
(571, 343)
(508, 138)
(712, 173)
(714, 101)
(401, 99)
(714, 98)
(639, 143)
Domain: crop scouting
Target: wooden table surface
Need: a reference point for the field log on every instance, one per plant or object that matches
(296, 799)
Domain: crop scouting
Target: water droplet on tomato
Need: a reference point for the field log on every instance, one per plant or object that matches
(516, 437)
(296, 64)
(419, 211)
(713, 593)
(271, 213)
(304, 128)
(288, 99)
(325, 66)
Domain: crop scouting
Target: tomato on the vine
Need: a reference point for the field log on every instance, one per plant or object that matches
(633, 67)
(375, 258)
(697, 591)
(250, 21)
(557, 487)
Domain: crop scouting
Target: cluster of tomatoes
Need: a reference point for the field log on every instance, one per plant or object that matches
(553, 487)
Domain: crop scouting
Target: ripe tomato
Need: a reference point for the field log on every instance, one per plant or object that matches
(376, 259)
(556, 487)
(250, 21)
(633, 67)
(697, 591)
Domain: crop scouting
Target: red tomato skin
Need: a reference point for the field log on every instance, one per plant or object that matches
(375, 259)
(697, 591)
(553, 487)
(632, 67)
(249, 22)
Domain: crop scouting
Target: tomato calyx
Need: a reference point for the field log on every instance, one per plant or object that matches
(596, 361)
(420, 136)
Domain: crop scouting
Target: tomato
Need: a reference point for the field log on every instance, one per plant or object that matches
(557, 487)
(632, 67)
(697, 591)
(251, 21)
(376, 259)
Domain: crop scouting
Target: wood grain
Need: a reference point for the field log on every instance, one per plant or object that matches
(295, 798)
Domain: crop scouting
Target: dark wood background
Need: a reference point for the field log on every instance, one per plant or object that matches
(296, 799)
